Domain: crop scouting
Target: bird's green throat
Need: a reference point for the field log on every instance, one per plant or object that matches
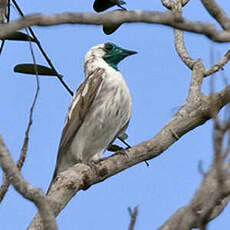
(114, 54)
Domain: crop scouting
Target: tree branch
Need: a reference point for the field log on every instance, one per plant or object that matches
(219, 65)
(133, 217)
(26, 190)
(216, 12)
(43, 52)
(176, 8)
(116, 17)
(5, 185)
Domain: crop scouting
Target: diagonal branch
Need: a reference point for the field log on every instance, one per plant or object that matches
(26, 190)
(216, 12)
(219, 65)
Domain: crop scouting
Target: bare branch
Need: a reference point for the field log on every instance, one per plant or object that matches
(133, 214)
(43, 52)
(222, 62)
(197, 78)
(26, 190)
(216, 12)
(4, 187)
(5, 13)
(181, 49)
(116, 17)
(176, 8)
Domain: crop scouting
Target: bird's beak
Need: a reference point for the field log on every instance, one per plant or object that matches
(128, 52)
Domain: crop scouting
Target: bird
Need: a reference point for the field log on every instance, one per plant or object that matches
(99, 111)
(102, 5)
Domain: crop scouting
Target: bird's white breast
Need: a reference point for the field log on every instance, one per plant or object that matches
(108, 114)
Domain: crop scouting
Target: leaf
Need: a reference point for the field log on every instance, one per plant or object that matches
(109, 29)
(31, 69)
(101, 5)
(114, 148)
(19, 36)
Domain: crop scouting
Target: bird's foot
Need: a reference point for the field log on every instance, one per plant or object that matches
(114, 148)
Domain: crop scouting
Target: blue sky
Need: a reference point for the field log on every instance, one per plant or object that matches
(158, 82)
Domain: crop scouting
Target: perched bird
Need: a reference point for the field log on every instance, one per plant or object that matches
(99, 111)
(101, 5)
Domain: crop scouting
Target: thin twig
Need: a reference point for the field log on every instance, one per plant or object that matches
(60, 78)
(219, 65)
(5, 185)
(2, 45)
(133, 214)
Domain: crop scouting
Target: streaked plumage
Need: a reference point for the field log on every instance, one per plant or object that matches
(99, 111)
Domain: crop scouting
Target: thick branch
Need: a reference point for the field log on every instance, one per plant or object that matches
(116, 17)
(28, 191)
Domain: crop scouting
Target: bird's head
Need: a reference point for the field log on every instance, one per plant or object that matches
(110, 53)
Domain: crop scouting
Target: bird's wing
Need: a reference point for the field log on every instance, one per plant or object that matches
(80, 104)
(79, 107)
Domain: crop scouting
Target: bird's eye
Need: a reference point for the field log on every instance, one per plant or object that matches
(108, 46)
